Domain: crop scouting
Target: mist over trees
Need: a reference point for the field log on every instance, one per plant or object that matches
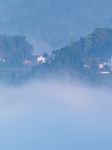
(55, 22)
(14, 50)
(10, 45)
(80, 59)
(70, 59)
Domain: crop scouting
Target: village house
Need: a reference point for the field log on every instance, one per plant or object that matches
(40, 58)
(101, 65)
(35, 58)
(109, 63)
(88, 62)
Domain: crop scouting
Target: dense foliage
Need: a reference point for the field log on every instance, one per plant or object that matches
(70, 59)
(56, 22)
(15, 49)
(98, 43)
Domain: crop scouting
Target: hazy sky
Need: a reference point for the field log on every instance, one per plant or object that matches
(55, 115)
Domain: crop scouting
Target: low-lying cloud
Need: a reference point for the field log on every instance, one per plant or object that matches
(55, 115)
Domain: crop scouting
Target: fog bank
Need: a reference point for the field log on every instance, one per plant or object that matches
(55, 115)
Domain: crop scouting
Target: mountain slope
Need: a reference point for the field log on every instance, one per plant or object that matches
(54, 22)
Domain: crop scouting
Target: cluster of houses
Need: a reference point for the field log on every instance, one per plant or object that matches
(38, 59)
(104, 67)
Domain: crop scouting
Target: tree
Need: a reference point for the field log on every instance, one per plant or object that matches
(69, 59)
(88, 43)
(16, 60)
(45, 55)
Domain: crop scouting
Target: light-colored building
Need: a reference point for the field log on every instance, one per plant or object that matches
(35, 58)
(42, 59)
(101, 65)
(88, 62)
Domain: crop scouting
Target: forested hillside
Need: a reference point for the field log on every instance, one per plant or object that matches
(55, 22)
(82, 59)
(70, 59)
(14, 49)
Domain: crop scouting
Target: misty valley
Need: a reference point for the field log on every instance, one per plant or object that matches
(55, 74)
(60, 101)
(89, 59)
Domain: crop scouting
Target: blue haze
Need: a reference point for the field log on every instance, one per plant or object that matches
(55, 115)
(50, 24)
